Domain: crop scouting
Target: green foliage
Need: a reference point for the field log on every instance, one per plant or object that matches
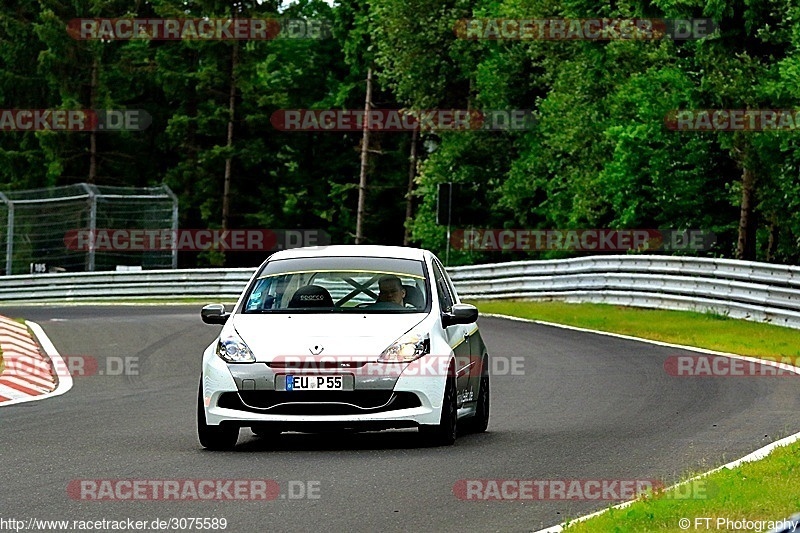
(598, 155)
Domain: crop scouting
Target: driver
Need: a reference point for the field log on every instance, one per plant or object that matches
(391, 292)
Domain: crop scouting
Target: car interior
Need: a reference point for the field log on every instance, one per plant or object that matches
(314, 290)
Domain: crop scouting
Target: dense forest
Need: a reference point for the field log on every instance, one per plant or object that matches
(598, 154)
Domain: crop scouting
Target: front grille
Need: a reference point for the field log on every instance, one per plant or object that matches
(318, 402)
(313, 364)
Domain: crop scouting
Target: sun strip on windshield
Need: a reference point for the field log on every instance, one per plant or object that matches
(405, 274)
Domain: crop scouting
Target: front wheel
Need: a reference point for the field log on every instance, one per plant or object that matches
(218, 438)
(479, 422)
(444, 433)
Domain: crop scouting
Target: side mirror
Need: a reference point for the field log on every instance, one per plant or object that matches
(214, 314)
(460, 314)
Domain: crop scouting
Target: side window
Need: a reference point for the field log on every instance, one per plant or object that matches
(449, 284)
(445, 298)
(256, 298)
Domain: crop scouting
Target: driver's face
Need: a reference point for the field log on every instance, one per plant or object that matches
(391, 292)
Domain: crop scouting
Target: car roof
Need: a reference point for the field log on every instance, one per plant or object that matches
(352, 250)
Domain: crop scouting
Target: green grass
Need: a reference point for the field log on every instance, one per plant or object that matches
(704, 330)
(763, 490)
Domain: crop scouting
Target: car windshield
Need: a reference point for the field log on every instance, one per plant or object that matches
(324, 285)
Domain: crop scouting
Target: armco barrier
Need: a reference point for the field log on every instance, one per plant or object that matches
(740, 289)
(129, 285)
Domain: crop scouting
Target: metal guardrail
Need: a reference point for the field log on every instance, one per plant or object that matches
(740, 289)
(215, 284)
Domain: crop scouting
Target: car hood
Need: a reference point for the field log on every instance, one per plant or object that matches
(274, 335)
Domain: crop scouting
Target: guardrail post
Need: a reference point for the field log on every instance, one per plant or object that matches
(92, 224)
(9, 234)
(174, 225)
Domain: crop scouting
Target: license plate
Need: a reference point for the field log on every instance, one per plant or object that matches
(313, 382)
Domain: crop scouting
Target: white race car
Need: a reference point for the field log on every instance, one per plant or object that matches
(344, 337)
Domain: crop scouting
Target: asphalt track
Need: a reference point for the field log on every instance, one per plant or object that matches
(586, 407)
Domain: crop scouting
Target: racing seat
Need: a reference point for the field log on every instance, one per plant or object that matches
(414, 297)
(311, 296)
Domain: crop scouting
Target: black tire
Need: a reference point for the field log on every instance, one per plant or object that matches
(444, 433)
(217, 438)
(479, 422)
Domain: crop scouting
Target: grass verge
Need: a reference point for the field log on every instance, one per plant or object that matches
(745, 498)
(757, 492)
(704, 330)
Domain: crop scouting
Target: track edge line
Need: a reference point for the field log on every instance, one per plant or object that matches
(756, 455)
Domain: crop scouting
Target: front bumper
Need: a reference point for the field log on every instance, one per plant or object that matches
(253, 394)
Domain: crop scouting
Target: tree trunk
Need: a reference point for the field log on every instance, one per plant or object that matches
(93, 134)
(412, 171)
(226, 189)
(772, 245)
(362, 178)
(745, 246)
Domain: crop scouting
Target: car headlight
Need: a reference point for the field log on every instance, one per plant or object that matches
(232, 349)
(407, 348)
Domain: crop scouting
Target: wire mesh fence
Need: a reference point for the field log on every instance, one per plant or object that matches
(41, 230)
